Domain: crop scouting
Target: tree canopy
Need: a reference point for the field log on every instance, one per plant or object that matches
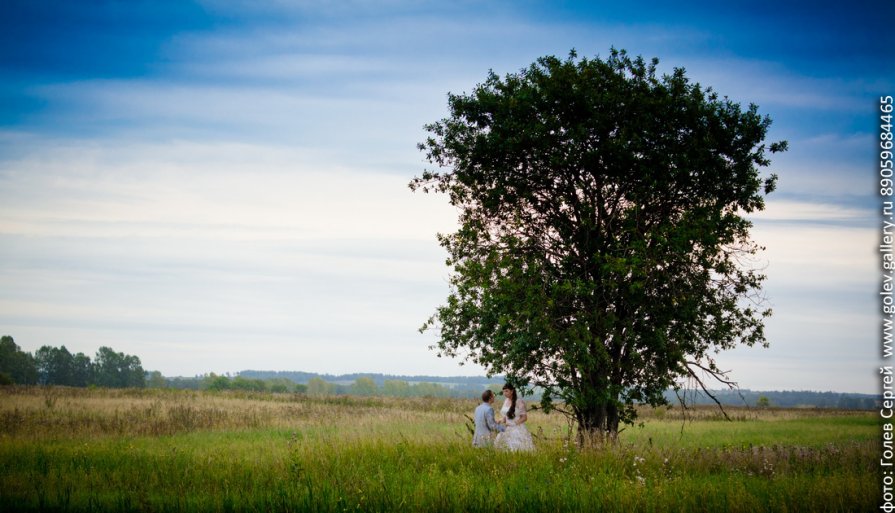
(58, 366)
(603, 252)
(118, 370)
(16, 366)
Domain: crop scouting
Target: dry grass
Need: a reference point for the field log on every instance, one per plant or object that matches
(35, 412)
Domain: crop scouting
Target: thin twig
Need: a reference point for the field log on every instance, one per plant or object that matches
(683, 411)
(706, 390)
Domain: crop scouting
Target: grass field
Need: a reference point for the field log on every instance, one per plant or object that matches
(159, 450)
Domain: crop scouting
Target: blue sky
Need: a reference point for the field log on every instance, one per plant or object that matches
(216, 186)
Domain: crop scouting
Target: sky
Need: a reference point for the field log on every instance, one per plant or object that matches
(216, 186)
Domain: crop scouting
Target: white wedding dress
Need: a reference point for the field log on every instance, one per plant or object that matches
(515, 437)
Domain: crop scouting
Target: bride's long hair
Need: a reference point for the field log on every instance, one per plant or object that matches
(511, 414)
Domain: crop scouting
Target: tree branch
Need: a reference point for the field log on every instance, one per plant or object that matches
(706, 390)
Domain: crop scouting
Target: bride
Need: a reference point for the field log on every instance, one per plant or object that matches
(516, 436)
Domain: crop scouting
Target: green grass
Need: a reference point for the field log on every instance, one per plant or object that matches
(288, 453)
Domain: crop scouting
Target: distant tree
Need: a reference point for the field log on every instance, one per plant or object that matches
(17, 365)
(319, 387)
(136, 376)
(430, 390)
(215, 383)
(252, 385)
(56, 366)
(763, 401)
(118, 370)
(848, 403)
(184, 383)
(155, 379)
(396, 388)
(108, 367)
(603, 253)
(241, 383)
(363, 386)
(81, 370)
(280, 385)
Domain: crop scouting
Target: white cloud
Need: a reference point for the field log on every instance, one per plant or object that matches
(809, 212)
(220, 245)
(813, 256)
(227, 191)
(823, 334)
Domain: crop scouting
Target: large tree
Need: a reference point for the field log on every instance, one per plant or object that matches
(603, 253)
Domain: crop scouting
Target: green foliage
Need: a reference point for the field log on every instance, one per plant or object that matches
(57, 366)
(318, 387)
(15, 364)
(602, 253)
(216, 383)
(155, 379)
(363, 386)
(184, 383)
(396, 388)
(253, 385)
(429, 390)
(280, 385)
(117, 370)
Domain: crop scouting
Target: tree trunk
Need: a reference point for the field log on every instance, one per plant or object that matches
(597, 424)
(612, 421)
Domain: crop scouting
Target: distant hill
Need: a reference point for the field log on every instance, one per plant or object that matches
(783, 399)
(472, 386)
(412, 386)
(379, 379)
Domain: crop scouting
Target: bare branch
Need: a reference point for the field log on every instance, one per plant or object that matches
(705, 389)
(684, 410)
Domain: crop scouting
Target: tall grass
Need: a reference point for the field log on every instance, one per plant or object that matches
(102, 450)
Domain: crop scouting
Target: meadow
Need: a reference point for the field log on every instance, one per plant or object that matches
(68, 449)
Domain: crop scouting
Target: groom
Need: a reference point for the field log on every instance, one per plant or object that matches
(484, 421)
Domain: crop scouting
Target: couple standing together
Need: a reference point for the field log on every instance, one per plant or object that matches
(512, 434)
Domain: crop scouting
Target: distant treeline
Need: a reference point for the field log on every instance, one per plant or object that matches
(58, 366)
(781, 399)
(315, 385)
(385, 384)
(379, 379)
(472, 386)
